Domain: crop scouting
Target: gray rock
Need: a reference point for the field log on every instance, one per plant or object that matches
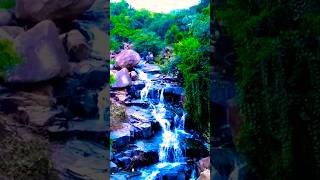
(79, 160)
(113, 167)
(124, 162)
(121, 137)
(174, 90)
(36, 11)
(43, 55)
(127, 59)
(90, 73)
(134, 76)
(142, 129)
(123, 79)
(151, 68)
(76, 45)
(13, 31)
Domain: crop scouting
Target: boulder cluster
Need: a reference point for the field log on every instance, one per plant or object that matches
(123, 69)
(38, 31)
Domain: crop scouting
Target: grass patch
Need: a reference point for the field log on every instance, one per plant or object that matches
(118, 115)
(21, 159)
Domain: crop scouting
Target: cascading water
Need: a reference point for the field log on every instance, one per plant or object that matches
(170, 150)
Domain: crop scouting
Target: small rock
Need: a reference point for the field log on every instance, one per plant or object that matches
(76, 45)
(124, 162)
(142, 130)
(121, 137)
(113, 167)
(134, 75)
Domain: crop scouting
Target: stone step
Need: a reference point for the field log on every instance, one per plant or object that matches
(135, 158)
(80, 160)
(137, 102)
(93, 130)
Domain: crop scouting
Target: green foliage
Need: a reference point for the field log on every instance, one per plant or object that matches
(7, 4)
(173, 35)
(8, 57)
(200, 26)
(112, 79)
(278, 84)
(145, 42)
(194, 67)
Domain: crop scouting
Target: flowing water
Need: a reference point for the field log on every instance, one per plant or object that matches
(171, 153)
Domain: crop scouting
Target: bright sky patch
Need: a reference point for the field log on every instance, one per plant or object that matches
(163, 6)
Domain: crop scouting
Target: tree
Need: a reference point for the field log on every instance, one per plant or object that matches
(173, 35)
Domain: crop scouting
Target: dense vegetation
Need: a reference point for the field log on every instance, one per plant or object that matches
(278, 80)
(187, 32)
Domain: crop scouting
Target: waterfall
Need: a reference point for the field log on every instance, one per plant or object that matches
(161, 96)
(145, 91)
(193, 174)
(170, 150)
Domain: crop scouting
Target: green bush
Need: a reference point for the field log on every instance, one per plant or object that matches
(112, 79)
(8, 57)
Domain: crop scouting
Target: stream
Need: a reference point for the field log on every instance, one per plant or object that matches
(156, 99)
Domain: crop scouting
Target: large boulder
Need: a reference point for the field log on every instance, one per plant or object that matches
(127, 59)
(123, 79)
(38, 10)
(43, 55)
(5, 17)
